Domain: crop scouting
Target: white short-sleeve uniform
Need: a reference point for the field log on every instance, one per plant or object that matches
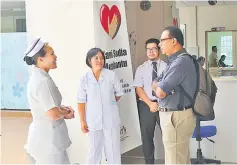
(102, 115)
(47, 140)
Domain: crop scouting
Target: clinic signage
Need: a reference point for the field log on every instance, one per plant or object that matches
(112, 37)
(110, 19)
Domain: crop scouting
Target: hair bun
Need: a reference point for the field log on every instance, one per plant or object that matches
(28, 60)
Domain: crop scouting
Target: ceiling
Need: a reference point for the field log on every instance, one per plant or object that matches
(186, 3)
(12, 5)
(12, 8)
(7, 5)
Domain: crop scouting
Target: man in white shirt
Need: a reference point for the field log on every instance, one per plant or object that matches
(213, 57)
(147, 105)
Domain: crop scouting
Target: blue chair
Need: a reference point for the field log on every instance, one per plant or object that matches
(203, 132)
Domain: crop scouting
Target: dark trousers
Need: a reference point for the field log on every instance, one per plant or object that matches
(148, 122)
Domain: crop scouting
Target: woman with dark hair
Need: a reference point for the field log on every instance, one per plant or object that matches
(48, 134)
(221, 61)
(98, 93)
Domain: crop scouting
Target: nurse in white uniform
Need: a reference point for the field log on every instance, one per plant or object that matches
(48, 134)
(98, 93)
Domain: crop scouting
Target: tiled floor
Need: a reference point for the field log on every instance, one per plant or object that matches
(13, 136)
(135, 156)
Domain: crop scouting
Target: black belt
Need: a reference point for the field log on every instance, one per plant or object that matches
(171, 109)
(151, 100)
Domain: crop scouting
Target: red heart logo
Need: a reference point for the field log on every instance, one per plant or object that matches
(175, 22)
(110, 19)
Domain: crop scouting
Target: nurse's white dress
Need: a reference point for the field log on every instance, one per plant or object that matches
(47, 140)
(102, 115)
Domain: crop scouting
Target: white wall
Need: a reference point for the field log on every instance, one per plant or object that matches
(207, 17)
(188, 17)
(71, 39)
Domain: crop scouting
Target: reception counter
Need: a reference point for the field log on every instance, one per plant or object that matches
(225, 78)
(226, 119)
(224, 72)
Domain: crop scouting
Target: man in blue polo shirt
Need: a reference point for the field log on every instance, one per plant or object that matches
(176, 116)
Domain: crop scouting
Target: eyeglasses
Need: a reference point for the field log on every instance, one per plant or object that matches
(152, 49)
(162, 40)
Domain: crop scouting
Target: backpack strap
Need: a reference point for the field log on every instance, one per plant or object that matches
(182, 90)
(181, 98)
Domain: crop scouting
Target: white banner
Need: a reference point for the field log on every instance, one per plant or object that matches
(175, 16)
(112, 37)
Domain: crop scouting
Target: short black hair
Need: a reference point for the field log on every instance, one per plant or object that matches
(33, 60)
(153, 40)
(223, 56)
(175, 32)
(91, 53)
(213, 47)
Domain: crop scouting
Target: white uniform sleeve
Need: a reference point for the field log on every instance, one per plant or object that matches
(48, 94)
(117, 86)
(81, 92)
(138, 80)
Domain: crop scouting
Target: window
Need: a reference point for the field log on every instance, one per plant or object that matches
(226, 49)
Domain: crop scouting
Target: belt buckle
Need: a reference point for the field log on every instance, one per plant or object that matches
(185, 108)
(164, 109)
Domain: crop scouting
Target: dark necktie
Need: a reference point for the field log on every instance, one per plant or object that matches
(154, 74)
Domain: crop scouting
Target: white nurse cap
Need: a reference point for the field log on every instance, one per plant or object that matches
(34, 47)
